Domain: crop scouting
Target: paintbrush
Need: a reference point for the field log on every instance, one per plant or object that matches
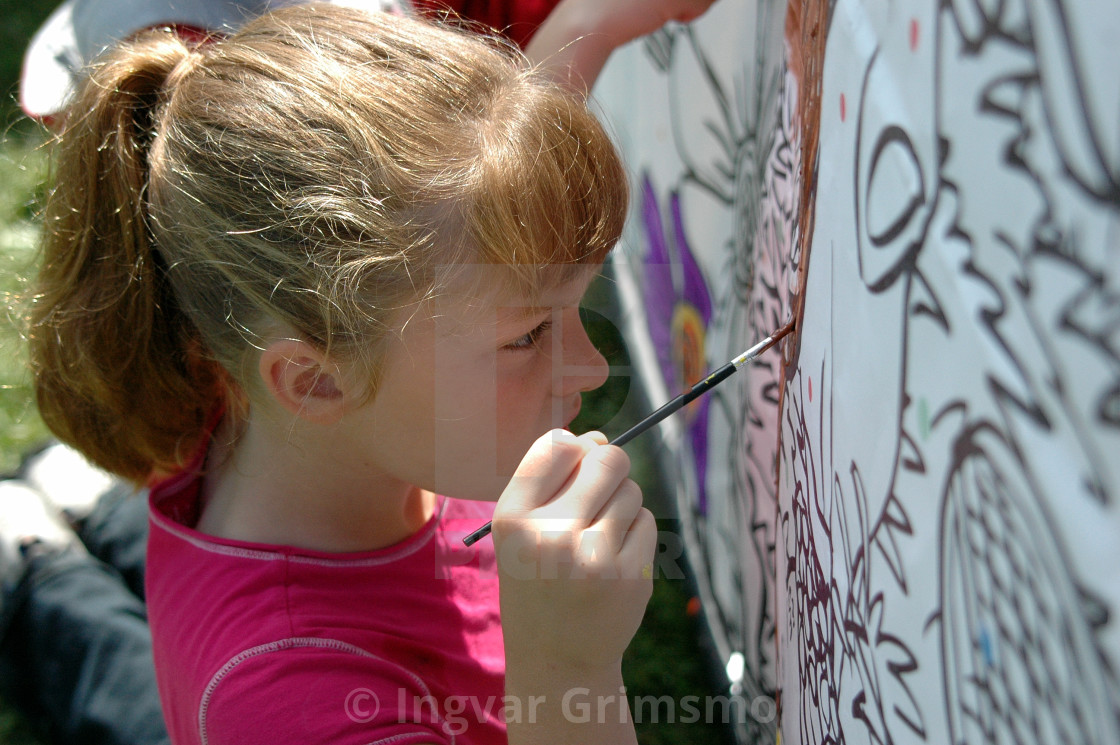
(677, 403)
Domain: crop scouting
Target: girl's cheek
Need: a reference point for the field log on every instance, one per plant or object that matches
(515, 367)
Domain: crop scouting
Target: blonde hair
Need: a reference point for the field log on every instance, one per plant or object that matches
(316, 171)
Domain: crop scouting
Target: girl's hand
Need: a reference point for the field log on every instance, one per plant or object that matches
(575, 550)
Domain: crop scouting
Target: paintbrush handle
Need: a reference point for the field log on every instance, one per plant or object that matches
(676, 404)
(665, 411)
(478, 535)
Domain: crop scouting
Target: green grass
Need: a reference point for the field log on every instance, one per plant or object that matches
(665, 658)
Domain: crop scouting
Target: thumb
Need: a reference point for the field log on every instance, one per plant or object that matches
(546, 467)
(597, 437)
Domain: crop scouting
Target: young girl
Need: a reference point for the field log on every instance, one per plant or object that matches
(325, 274)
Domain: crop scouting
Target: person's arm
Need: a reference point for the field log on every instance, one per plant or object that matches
(579, 35)
(575, 550)
(572, 707)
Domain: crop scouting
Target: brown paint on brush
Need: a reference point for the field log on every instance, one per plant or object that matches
(805, 31)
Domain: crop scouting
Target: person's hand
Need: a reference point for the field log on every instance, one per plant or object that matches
(625, 20)
(576, 39)
(575, 551)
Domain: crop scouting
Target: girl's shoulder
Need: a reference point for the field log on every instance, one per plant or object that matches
(313, 689)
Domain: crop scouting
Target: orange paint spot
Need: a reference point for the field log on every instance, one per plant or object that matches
(687, 333)
(693, 607)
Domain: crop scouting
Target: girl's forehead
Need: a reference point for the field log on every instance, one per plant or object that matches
(485, 310)
(492, 292)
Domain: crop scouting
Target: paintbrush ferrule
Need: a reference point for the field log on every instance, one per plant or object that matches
(762, 346)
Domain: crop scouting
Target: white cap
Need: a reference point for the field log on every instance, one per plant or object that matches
(79, 30)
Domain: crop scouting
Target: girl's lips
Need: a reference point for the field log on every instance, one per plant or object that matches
(575, 412)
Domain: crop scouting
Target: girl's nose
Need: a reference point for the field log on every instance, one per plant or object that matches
(582, 367)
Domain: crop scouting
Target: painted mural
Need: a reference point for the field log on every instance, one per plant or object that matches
(905, 526)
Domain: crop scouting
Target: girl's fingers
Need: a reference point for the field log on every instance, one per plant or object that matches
(618, 514)
(619, 550)
(599, 548)
(595, 481)
(544, 470)
(639, 545)
(597, 437)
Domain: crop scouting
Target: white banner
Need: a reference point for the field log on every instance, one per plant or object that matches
(906, 529)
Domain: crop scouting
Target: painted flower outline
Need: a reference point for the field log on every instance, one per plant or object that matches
(678, 311)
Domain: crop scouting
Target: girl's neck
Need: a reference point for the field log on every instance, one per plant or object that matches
(273, 485)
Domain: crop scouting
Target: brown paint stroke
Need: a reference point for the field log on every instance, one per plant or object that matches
(806, 31)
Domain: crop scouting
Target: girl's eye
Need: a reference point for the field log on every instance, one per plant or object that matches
(529, 340)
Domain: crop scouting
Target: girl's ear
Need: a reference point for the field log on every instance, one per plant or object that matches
(303, 380)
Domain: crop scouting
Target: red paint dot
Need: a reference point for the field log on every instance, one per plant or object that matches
(914, 29)
(843, 108)
(810, 389)
(693, 607)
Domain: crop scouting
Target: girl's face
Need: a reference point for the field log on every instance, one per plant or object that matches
(472, 384)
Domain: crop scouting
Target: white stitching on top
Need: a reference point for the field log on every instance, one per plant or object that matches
(261, 555)
(297, 643)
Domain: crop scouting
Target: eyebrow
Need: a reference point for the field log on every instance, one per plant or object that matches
(534, 310)
(527, 311)
(522, 312)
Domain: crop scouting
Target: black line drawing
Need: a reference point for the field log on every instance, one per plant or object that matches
(984, 220)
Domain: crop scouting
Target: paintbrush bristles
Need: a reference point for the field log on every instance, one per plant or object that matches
(762, 346)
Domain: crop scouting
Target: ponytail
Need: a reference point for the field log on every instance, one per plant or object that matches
(119, 372)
